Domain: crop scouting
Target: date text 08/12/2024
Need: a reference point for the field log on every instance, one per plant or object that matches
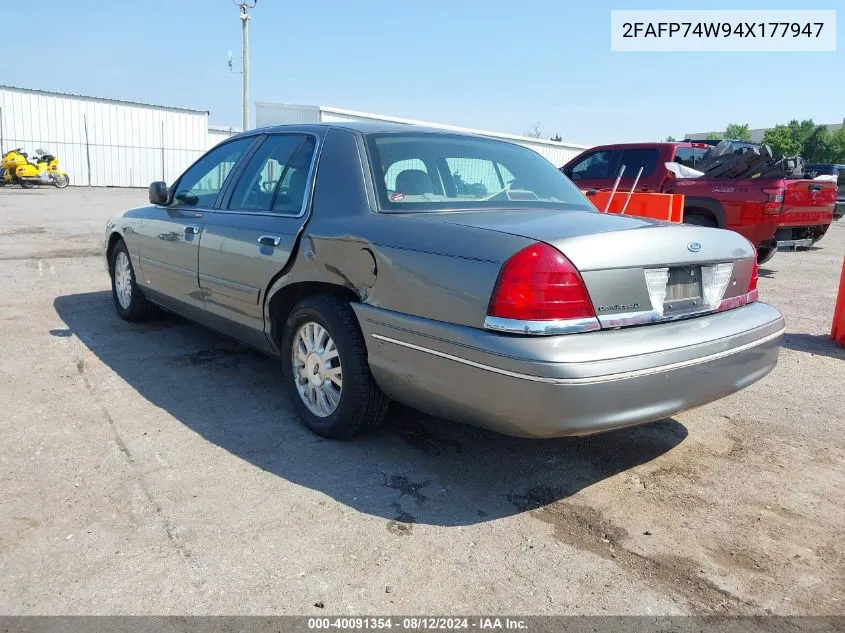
(416, 623)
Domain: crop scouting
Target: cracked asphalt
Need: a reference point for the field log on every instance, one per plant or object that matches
(159, 469)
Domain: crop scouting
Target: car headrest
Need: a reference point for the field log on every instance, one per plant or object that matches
(296, 185)
(414, 182)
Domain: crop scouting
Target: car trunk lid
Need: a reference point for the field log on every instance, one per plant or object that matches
(635, 270)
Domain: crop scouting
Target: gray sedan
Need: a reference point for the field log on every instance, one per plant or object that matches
(460, 275)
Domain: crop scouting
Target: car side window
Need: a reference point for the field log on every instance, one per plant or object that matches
(689, 156)
(199, 186)
(293, 185)
(263, 173)
(593, 165)
(633, 159)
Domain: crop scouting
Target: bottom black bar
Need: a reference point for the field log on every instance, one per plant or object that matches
(389, 624)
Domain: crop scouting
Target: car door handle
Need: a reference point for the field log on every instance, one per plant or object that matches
(192, 229)
(269, 240)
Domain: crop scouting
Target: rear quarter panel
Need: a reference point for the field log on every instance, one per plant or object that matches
(397, 262)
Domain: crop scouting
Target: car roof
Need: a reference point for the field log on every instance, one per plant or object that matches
(364, 127)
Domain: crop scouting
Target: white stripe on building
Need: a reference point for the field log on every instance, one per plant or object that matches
(267, 114)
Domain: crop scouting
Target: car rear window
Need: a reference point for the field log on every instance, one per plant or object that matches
(820, 170)
(425, 171)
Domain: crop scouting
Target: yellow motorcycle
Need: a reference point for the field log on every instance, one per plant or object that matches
(17, 169)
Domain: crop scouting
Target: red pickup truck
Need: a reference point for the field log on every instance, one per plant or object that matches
(765, 211)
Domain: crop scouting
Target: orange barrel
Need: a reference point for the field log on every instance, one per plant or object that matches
(838, 329)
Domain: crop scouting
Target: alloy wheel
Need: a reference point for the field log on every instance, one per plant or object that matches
(317, 372)
(123, 280)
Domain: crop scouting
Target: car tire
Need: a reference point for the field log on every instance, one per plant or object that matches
(700, 220)
(765, 253)
(820, 232)
(129, 301)
(330, 347)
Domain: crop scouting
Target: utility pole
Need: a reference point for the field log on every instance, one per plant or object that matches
(245, 7)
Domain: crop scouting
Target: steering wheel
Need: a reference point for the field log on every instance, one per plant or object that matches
(269, 185)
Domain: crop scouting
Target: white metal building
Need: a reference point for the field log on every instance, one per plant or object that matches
(110, 143)
(279, 113)
(218, 133)
(105, 142)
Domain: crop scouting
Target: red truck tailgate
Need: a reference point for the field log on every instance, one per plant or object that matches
(807, 203)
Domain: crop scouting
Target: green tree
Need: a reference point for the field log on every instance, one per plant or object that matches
(782, 140)
(837, 146)
(816, 147)
(810, 141)
(738, 132)
(557, 137)
(713, 136)
(669, 139)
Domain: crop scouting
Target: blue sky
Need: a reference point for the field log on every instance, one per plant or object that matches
(497, 65)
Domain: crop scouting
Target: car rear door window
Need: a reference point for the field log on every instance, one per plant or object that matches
(275, 178)
(689, 156)
(202, 182)
(293, 187)
(635, 158)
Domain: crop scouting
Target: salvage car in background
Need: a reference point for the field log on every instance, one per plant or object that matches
(763, 208)
(463, 276)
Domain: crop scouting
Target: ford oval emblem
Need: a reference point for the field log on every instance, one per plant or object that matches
(694, 247)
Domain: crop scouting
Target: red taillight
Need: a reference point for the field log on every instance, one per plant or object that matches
(540, 284)
(752, 285)
(774, 200)
(744, 299)
(753, 294)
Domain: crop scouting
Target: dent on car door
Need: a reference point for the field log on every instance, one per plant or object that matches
(248, 241)
(168, 237)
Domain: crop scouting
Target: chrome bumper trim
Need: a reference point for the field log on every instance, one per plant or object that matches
(584, 381)
(627, 319)
(542, 328)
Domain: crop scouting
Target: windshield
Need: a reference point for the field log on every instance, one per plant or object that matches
(424, 171)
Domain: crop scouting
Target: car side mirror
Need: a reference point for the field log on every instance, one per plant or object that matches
(158, 193)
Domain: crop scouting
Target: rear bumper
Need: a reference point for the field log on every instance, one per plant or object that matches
(572, 384)
(793, 219)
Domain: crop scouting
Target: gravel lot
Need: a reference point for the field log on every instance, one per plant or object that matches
(159, 468)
